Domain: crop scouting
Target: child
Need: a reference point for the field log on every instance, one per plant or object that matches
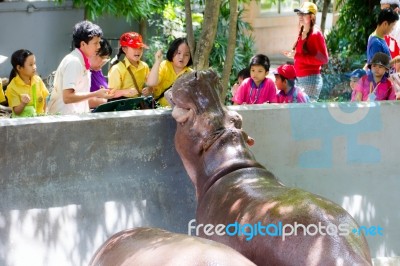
(354, 78)
(164, 72)
(242, 75)
(129, 75)
(26, 92)
(395, 77)
(285, 77)
(375, 86)
(258, 88)
(3, 99)
(71, 92)
(97, 78)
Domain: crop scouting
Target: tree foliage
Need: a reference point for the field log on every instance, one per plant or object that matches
(130, 9)
(357, 20)
(212, 39)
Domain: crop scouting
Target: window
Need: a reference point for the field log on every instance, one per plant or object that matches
(279, 6)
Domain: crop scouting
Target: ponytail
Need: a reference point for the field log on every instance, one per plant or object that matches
(312, 23)
(13, 74)
(116, 60)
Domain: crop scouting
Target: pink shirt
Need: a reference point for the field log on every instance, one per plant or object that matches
(248, 93)
(295, 95)
(381, 91)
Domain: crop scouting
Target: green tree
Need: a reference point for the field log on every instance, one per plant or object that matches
(213, 26)
(357, 20)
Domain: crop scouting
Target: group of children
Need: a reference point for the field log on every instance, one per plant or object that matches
(257, 88)
(377, 84)
(79, 84)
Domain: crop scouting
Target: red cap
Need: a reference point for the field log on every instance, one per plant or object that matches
(286, 71)
(132, 39)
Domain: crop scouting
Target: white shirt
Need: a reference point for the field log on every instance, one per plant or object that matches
(70, 74)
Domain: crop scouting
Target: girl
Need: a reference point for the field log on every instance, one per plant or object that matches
(164, 73)
(375, 86)
(310, 52)
(26, 92)
(127, 77)
(97, 78)
(258, 88)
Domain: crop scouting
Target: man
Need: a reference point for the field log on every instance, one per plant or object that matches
(71, 91)
(387, 19)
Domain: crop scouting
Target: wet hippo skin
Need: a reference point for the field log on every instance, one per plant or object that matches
(231, 186)
(155, 247)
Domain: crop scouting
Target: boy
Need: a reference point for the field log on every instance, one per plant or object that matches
(285, 76)
(258, 88)
(375, 86)
(242, 75)
(387, 19)
(2, 96)
(71, 90)
(354, 78)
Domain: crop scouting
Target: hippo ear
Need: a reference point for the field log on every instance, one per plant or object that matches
(212, 76)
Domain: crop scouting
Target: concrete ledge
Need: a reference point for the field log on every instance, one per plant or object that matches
(69, 182)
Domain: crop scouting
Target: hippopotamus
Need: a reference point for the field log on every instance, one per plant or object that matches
(155, 246)
(233, 190)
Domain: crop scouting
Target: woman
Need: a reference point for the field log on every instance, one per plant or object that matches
(309, 51)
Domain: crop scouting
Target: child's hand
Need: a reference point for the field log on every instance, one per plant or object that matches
(147, 91)
(25, 98)
(132, 92)
(104, 93)
(125, 93)
(158, 56)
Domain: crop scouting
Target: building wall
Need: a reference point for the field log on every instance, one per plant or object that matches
(47, 31)
(275, 33)
(69, 182)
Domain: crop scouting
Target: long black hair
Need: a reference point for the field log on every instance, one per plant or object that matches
(18, 58)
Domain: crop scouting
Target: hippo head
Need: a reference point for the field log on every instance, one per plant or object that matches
(205, 128)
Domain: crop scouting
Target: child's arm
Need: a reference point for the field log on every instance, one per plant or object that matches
(152, 79)
(69, 95)
(25, 99)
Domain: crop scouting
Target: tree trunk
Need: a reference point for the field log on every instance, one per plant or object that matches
(207, 37)
(230, 51)
(324, 13)
(143, 29)
(189, 27)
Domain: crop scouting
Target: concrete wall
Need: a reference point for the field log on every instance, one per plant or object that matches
(69, 182)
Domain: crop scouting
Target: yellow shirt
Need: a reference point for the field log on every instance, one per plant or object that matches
(17, 87)
(166, 77)
(2, 96)
(120, 78)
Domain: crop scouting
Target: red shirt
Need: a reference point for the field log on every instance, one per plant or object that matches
(308, 62)
(393, 46)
